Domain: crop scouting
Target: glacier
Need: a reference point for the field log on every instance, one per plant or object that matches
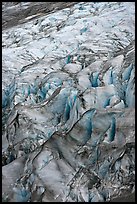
(68, 104)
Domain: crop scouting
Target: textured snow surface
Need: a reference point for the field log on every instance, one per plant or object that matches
(68, 105)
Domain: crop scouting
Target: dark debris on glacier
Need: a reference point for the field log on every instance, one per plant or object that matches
(68, 104)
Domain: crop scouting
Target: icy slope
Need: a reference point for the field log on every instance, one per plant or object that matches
(68, 102)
